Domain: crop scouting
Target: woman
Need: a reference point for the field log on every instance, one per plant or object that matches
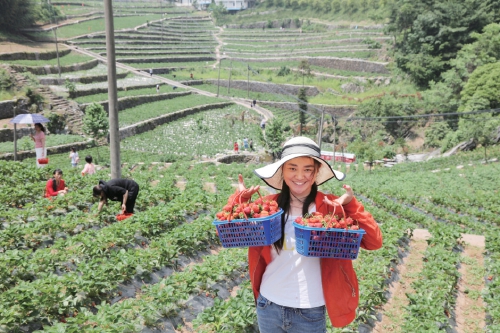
(73, 155)
(55, 185)
(292, 292)
(89, 168)
(39, 139)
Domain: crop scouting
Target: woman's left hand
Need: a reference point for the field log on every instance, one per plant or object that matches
(344, 199)
(124, 208)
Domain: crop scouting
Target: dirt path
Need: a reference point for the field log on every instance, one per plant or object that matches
(470, 308)
(393, 311)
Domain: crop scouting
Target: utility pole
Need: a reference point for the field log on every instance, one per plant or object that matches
(321, 127)
(218, 78)
(248, 81)
(334, 136)
(114, 132)
(161, 19)
(55, 36)
(229, 83)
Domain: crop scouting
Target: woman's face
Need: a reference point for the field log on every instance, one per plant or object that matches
(37, 128)
(300, 174)
(58, 176)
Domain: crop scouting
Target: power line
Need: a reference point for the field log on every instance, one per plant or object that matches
(426, 115)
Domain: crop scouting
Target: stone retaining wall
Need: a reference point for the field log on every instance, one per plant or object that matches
(103, 90)
(132, 101)
(337, 110)
(43, 70)
(239, 158)
(265, 87)
(162, 59)
(345, 64)
(85, 80)
(7, 134)
(33, 55)
(21, 155)
(151, 124)
(7, 109)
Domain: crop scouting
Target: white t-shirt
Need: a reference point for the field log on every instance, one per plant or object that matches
(74, 157)
(291, 279)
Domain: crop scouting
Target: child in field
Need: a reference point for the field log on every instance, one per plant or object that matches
(89, 168)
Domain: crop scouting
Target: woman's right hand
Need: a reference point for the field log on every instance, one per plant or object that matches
(246, 193)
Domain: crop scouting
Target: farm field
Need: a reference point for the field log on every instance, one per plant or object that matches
(90, 266)
(64, 268)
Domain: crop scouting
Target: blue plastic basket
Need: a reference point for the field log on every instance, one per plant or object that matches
(327, 243)
(252, 232)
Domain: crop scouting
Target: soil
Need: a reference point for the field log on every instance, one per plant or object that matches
(11, 47)
(470, 307)
(393, 311)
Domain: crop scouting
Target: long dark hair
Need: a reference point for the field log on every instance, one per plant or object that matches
(41, 127)
(54, 185)
(284, 203)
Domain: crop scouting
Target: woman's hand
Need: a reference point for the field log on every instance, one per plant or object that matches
(124, 208)
(246, 193)
(344, 199)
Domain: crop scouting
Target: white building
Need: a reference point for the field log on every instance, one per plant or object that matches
(231, 5)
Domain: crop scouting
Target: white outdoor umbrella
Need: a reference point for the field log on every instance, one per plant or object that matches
(25, 118)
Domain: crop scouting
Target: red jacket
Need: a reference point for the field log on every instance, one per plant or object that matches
(49, 191)
(339, 280)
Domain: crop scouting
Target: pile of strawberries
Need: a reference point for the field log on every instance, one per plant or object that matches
(121, 217)
(318, 220)
(258, 208)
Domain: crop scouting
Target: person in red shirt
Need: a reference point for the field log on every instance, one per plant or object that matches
(55, 185)
(236, 147)
(293, 292)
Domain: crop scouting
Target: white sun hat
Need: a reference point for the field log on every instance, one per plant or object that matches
(297, 147)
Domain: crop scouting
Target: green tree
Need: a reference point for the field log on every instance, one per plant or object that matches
(482, 91)
(430, 33)
(16, 14)
(275, 136)
(305, 70)
(95, 122)
(302, 108)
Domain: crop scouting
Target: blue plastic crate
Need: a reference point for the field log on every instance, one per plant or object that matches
(327, 243)
(252, 232)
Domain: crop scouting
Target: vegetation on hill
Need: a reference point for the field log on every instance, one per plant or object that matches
(19, 14)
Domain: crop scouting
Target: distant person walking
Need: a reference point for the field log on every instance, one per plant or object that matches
(39, 139)
(245, 143)
(73, 155)
(151, 72)
(254, 102)
(157, 88)
(263, 124)
(251, 145)
(236, 147)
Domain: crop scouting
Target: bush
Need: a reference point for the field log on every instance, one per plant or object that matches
(283, 71)
(56, 124)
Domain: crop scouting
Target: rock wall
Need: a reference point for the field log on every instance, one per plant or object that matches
(21, 155)
(271, 88)
(151, 124)
(7, 134)
(43, 70)
(132, 101)
(7, 109)
(239, 158)
(33, 55)
(163, 59)
(85, 80)
(337, 110)
(345, 64)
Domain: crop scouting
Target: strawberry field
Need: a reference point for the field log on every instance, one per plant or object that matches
(64, 269)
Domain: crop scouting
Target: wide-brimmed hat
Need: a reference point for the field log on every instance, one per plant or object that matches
(297, 147)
